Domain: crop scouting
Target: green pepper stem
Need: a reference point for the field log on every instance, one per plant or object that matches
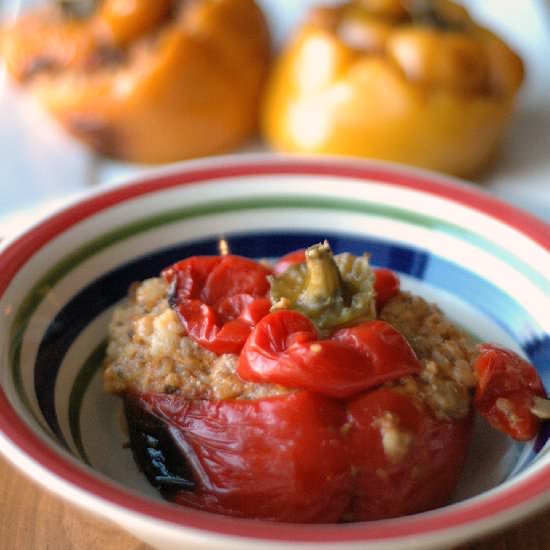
(323, 282)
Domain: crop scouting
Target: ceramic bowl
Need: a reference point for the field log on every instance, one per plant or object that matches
(485, 263)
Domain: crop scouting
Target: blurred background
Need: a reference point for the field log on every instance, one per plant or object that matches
(41, 165)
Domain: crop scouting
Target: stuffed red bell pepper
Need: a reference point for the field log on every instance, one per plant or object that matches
(313, 391)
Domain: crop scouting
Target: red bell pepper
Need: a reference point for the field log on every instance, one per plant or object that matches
(303, 457)
(282, 458)
(386, 286)
(506, 389)
(406, 460)
(219, 299)
(284, 348)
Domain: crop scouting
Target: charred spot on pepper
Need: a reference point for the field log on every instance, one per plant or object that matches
(155, 452)
(427, 13)
(417, 12)
(172, 296)
(98, 133)
(106, 55)
(38, 65)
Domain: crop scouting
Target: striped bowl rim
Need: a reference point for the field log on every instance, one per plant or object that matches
(19, 441)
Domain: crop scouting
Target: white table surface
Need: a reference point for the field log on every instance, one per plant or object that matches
(40, 165)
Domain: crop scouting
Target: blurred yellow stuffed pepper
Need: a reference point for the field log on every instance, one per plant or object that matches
(413, 81)
(145, 80)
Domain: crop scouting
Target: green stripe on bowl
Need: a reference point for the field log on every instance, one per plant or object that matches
(81, 383)
(86, 251)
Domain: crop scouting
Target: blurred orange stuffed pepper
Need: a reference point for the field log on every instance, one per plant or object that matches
(413, 81)
(143, 80)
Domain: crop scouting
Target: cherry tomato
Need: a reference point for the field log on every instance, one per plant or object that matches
(284, 349)
(386, 286)
(191, 275)
(219, 299)
(506, 387)
(292, 258)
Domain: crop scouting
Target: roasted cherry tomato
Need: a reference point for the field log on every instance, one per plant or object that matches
(219, 299)
(506, 390)
(386, 286)
(405, 459)
(296, 257)
(282, 458)
(284, 348)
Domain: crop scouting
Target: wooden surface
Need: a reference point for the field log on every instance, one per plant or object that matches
(33, 519)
